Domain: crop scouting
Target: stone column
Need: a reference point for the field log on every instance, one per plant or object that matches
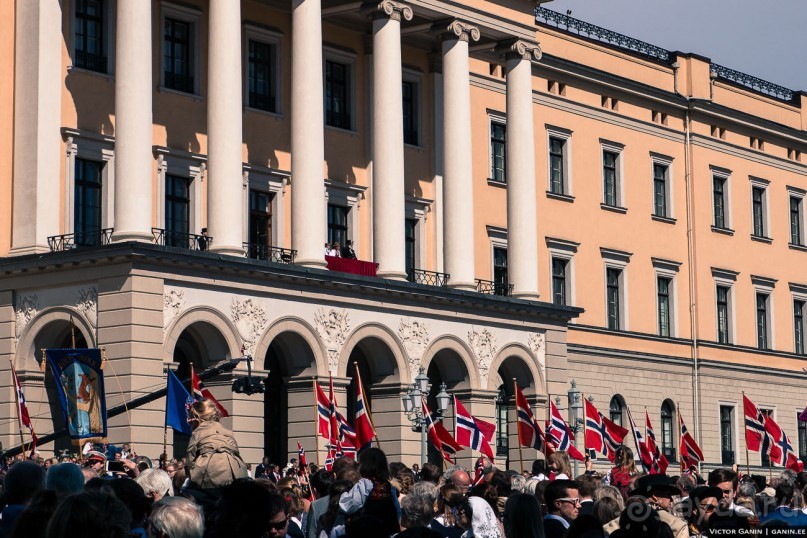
(522, 221)
(458, 177)
(388, 144)
(38, 78)
(225, 211)
(133, 89)
(308, 209)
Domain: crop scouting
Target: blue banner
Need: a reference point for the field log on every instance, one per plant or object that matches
(79, 382)
(177, 401)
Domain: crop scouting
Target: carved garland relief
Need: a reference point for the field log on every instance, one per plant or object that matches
(25, 309)
(333, 327)
(173, 301)
(415, 337)
(250, 319)
(483, 344)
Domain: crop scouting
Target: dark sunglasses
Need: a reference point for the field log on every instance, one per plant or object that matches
(277, 526)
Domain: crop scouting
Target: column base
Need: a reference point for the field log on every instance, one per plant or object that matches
(228, 250)
(31, 249)
(526, 295)
(392, 275)
(121, 237)
(465, 286)
(315, 263)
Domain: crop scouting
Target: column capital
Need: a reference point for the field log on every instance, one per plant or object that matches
(520, 49)
(459, 29)
(396, 11)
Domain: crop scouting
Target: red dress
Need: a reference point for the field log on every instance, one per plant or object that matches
(620, 479)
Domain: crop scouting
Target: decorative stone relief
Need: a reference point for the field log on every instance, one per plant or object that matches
(415, 337)
(395, 10)
(87, 304)
(173, 301)
(250, 319)
(25, 309)
(463, 31)
(537, 344)
(483, 344)
(333, 327)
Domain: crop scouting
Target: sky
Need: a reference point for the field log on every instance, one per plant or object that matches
(766, 39)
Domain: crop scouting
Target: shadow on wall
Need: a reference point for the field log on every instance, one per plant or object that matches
(94, 102)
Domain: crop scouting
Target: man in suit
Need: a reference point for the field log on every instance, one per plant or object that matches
(562, 498)
(588, 484)
(347, 250)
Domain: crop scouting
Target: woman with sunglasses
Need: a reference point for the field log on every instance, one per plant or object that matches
(702, 506)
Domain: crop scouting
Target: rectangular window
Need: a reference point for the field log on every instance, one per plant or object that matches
(260, 220)
(723, 329)
(664, 286)
(796, 236)
(727, 434)
(87, 202)
(762, 320)
(758, 209)
(90, 36)
(498, 136)
(610, 186)
(798, 326)
(409, 245)
(500, 282)
(802, 433)
(719, 201)
(410, 112)
(765, 458)
(177, 63)
(177, 210)
(337, 224)
(262, 73)
(559, 266)
(660, 190)
(557, 175)
(337, 94)
(613, 277)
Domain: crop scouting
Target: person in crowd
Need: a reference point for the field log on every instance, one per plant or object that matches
(427, 490)
(430, 472)
(90, 513)
(484, 521)
(727, 481)
(179, 480)
(263, 467)
(656, 491)
(624, 470)
(588, 484)
(539, 470)
(610, 492)
(608, 509)
(33, 521)
(156, 484)
(416, 515)
(416, 470)
(65, 478)
(685, 483)
(247, 510)
(176, 517)
(203, 240)
(406, 479)
(132, 495)
(559, 465)
(347, 250)
(522, 517)
(212, 451)
(518, 482)
(453, 513)
(374, 493)
(700, 507)
(294, 509)
(331, 524)
(458, 477)
(562, 500)
(171, 468)
(785, 511)
(340, 471)
(95, 461)
(640, 520)
(21, 482)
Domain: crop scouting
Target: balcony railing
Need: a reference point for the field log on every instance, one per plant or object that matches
(493, 288)
(171, 238)
(90, 238)
(752, 82)
(269, 253)
(428, 278)
(90, 61)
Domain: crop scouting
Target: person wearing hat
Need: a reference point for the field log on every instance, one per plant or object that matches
(702, 504)
(657, 491)
(96, 461)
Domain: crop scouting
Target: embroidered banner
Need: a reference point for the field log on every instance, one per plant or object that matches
(79, 383)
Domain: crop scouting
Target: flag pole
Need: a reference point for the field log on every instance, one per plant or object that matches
(520, 450)
(165, 446)
(747, 458)
(316, 418)
(585, 448)
(366, 407)
(72, 333)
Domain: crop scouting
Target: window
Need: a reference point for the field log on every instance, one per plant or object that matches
(796, 231)
(557, 175)
(660, 207)
(723, 328)
(409, 237)
(179, 71)
(500, 282)
(613, 277)
(616, 409)
(87, 202)
(410, 92)
(559, 292)
(90, 37)
(802, 433)
(663, 290)
(798, 326)
(262, 76)
(338, 97)
(667, 444)
(762, 320)
(177, 210)
(498, 137)
(765, 458)
(260, 220)
(337, 224)
(727, 434)
(502, 441)
(758, 210)
(610, 178)
(719, 201)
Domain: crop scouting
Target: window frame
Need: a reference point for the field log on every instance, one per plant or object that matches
(268, 181)
(186, 164)
(193, 17)
(666, 162)
(612, 412)
(669, 451)
(108, 39)
(731, 430)
(724, 176)
(801, 436)
(565, 136)
(727, 279)
(667, 269)
(563, 249)
(417, 209)
(619, 183)
(616, 260)
(764, 286)
(94, 147)
(496, 118)
(347, 59)
(415, 77)
(798, 293)
(763, 225)
(795, 193)
(273, 38)
(497, 237)
(350, 196)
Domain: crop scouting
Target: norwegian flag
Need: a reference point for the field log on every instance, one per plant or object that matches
(439, 436)
(200, 392)
(602, 435)
(529, 433)
(559, 435)
(346, 432)
(660, 462)
(301, 456)
(330, 458)
(468, 433)
(645, 456)
(332, 415)
(22, 412)
(754, 425)
(345, 450)
(690, 451)
(365, 430)
(323, 412)
(782, 450)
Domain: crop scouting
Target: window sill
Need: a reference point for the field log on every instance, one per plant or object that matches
(562, 197)
(73, 69)
(351, 132)
(666, 220)
(761, 239)
(724, 231)
(496, 183)
(417, 147)
(195, 96)
(614, 208)
(795, 246)
(263, 112)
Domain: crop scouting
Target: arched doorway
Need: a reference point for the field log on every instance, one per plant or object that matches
(512, 370)
(376, 364)
(446, 367)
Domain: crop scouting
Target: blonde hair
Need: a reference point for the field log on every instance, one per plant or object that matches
(203, 411)
(561, 459)
(624, 459)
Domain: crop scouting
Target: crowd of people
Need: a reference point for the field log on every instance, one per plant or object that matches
(211, 492)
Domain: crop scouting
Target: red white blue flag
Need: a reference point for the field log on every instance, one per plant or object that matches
(660, 462)
(559, 435)
(438, 435)
(468, 433)
(690, 451)
(22, 411)
(323, 412)
(602, 435)
(365, 430)
(200, 392)
(529, 432)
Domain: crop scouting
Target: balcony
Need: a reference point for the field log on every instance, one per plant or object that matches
(269, 253)
(490, 287)
(90, 61)
(427, 278)
(187, 241)
(90, 238)
(350, 265)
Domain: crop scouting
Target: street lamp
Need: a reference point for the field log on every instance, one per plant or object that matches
(412, 401)
(575, 414)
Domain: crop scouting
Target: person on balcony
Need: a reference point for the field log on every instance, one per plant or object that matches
(327, 248)
(203, 240)
(347, 250)
(335, 251)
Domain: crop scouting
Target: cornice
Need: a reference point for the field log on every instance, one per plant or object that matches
(734, 150)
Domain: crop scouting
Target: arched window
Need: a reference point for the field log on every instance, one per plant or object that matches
(617, 409)
(667, 444)
(502, 441)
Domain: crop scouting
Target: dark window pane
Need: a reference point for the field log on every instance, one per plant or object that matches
(659, 190)
(723, 314)
(409, 236)
(337, 224)
(260, 218)
(726, 435)
(612, 294)
(178, 69)
(177, 210)
(609, 162)
(664, 285)
(559, 280)
(616, 410)
(89, 43)
(261, 78)
(410, 120)
(337, 95)
(87, 201)
(798, 326)
(556, 172)
(795, 221)
(719, 202)
(762, 321)
(500, 283)
(757, 197)
(498, 137)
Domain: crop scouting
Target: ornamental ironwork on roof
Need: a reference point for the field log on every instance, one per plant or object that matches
(752, 82)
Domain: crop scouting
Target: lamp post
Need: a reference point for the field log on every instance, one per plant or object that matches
(575, 414)
(413, 406)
